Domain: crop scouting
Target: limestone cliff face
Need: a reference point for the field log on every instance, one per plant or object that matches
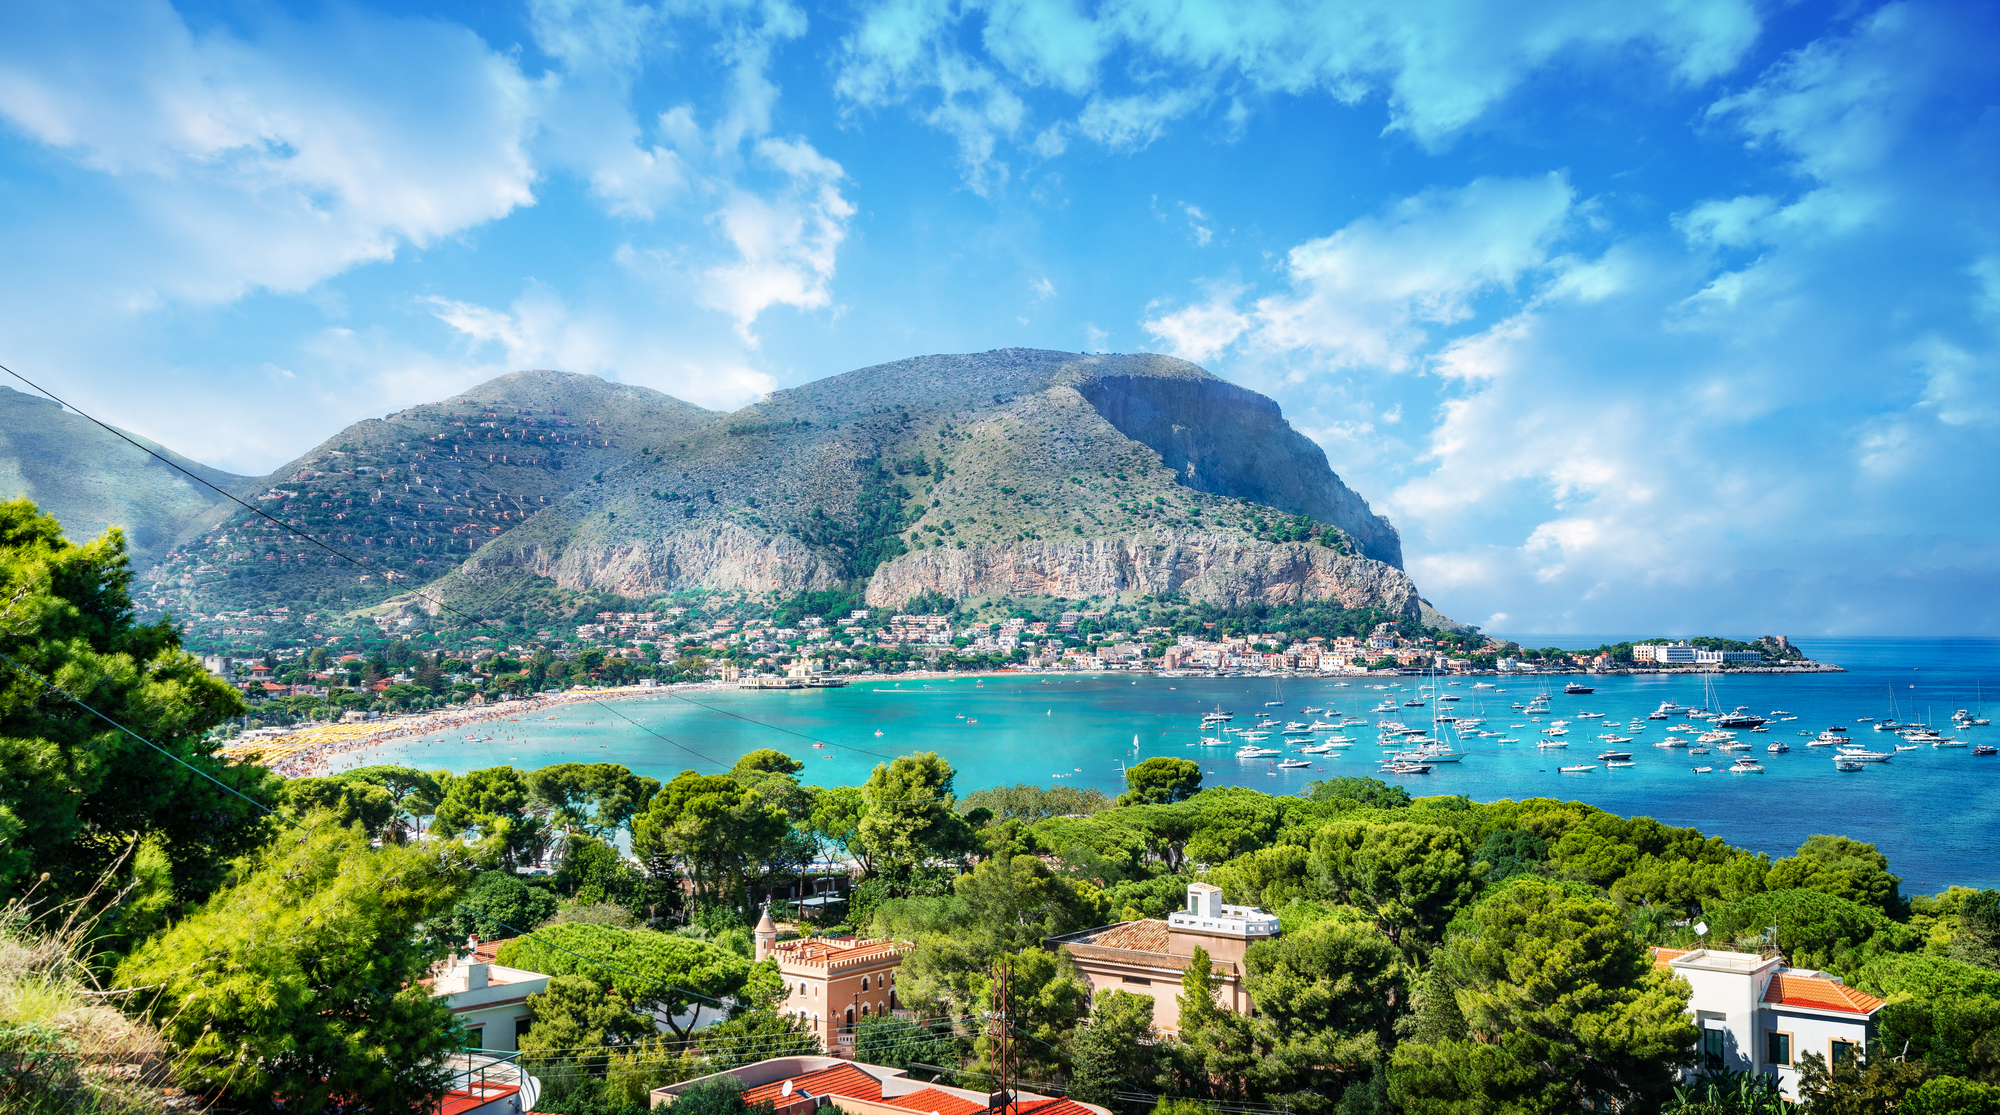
(1214, 567)
(726, 557)
(1222, 438)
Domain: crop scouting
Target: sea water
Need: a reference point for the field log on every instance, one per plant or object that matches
(1934, 811)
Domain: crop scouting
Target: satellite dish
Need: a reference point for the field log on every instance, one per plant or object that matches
(1701, 928)
(786, 1090)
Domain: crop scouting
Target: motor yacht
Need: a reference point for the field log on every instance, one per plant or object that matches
(1254, 752)
(1862, 755)
(1580, 768)
(1779, 748)
(1578, 689)
(1293, 764)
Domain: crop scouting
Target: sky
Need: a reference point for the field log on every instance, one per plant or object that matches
(1669, 317)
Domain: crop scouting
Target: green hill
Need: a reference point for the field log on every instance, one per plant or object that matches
(89, 479)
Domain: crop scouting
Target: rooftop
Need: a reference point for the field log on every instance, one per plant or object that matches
(829, 952)
(1819, 993)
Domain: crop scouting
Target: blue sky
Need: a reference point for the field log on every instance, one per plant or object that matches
(1668, 317)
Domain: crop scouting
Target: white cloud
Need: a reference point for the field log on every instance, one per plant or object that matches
(1368, 295)
(274, 160)
(1439, 65)
(1043, 288)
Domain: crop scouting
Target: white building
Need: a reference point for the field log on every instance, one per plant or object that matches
(488, 999)
(1664, 652)
(1759, 1016)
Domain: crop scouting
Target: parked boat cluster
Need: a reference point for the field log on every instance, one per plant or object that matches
(1418, 749)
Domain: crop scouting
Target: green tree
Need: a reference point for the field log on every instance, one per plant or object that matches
(910, 820)
(1217, 1050)
(1843, 868)
(1020, 901)
(300, 981)
(1362, 792)
(496, 905)
(411, 791)
(492, 802)
(1978, 938)
(1046, 998)
(835, 821)
(1409, 877)
(764, 760)
(73, 789)
(1564, 1012)
(1117, 1052)
(1815, 929)
(1161, 781)
(1328, 998)
(898, 1043)
(1949, 1095)
(657, 971)
(714, 825)
(1862, 1084)
(575, 1016)
(596, 798)
(592, 871)
(348, 803)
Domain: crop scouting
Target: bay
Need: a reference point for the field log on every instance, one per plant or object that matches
(1934, 812)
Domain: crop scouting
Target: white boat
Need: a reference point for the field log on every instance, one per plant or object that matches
(1293, 764)
(1844, 764)
(1621, 763)
(1779, 748)
(1908, 746)
(1580, 768)
(1316, 749)
(1256, 735)
(1826, 739)
(1256, 753)
(1297, 726)
(1703, 770)
(1210, 741)
(1323, 726)
(1716, 737)
(1861, 755)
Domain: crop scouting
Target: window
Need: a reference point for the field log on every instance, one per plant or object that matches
(1139, 980)
(521, 1028)
(864, 983)
(1777, 1048)
(475, 1037)
(1840, 1052)
(1712, 1046)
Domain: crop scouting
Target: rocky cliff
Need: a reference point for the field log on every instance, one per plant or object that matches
(1209, 567)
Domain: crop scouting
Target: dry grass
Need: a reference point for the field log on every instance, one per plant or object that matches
(65, 1046)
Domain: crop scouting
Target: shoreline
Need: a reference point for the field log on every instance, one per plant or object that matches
(308, 752)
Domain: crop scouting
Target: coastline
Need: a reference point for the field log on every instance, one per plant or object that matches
(307, 753)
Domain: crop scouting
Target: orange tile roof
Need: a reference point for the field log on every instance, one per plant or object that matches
(1664, 956)
(821, 952)
(1820, 993)
(487, 950)
(1140, 936)
(936, 1102)
(840, 1080)
(1054, 1107)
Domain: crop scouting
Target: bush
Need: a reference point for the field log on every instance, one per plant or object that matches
(1815, 929)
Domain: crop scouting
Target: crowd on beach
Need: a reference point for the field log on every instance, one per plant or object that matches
(309, 752)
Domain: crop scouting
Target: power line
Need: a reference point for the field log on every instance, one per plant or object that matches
(389, 574)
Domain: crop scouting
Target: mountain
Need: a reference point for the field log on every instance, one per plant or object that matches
(412, 494)
(89, 479)
(1015, 472)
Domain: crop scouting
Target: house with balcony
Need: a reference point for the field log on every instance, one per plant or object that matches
(1149, 956)
(1757, 1015)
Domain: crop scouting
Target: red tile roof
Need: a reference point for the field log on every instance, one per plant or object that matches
(840, 1080)
(822, 952)
(1664, 956)
(1820, 993)
(1140, 936)
(936, 1102)
(1054, 1107)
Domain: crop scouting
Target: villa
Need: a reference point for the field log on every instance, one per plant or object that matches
(1759, 1016)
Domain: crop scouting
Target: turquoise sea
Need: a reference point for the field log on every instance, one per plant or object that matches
(1935, 812)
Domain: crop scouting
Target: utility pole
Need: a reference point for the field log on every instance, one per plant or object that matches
(1003, 1060)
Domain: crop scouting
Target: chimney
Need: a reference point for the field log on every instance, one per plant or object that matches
(475, 976)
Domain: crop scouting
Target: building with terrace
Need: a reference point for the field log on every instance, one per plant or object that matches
(488, 999)
(833, 982)
(1758, 1015)
(1149, 957)
(799, 1085)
